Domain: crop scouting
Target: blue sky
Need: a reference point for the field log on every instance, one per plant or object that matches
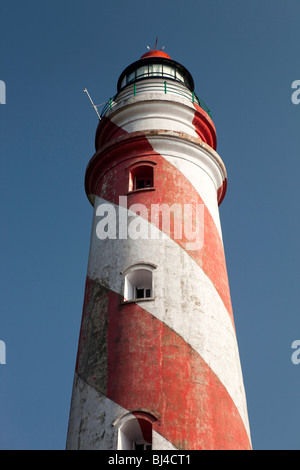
(243, 55)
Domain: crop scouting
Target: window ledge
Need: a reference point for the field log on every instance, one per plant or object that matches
(134, 301)
(140, 190)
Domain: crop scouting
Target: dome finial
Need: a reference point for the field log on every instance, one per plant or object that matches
(155, 52)
(155, 46)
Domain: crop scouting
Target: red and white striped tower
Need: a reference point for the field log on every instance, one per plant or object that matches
(158, 362)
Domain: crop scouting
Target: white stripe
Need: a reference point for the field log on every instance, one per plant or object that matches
(160, 443)
(185, 299)
(91, 414)
(155, 111)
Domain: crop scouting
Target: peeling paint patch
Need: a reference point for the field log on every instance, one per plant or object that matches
(92, 350)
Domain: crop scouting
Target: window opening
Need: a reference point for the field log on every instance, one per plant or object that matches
(143, 293)
(135, 434)
(138, 285)
(142, 446)
(141, 177)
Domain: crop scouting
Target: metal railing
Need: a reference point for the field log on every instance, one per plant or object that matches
(164, 87)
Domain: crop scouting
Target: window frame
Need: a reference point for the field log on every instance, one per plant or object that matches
(133, 417)
(130, 289)
(133, 178)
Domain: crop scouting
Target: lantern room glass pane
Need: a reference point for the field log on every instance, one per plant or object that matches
(168, 71)
(123, 82)
(131, 77)
(155, 69)
(179, 76)
(142, 71)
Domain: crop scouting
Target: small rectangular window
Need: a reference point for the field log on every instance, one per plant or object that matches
(148, 293)
(141, 177)
(139, 293)
(140, 183)
(143, 446)
(139, 446)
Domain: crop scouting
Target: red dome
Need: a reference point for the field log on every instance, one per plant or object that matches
(155, 53)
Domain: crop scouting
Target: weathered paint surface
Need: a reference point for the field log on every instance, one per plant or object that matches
(174, 358)
(149, 366)
(94, 421)
(183, 293)
(150, 112)
(171, 187)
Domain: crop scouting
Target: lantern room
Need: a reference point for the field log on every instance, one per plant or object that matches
(155, 64)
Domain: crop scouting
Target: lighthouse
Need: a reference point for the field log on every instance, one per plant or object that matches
(158, 365)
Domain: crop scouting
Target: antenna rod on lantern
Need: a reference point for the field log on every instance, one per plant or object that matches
(94, 106)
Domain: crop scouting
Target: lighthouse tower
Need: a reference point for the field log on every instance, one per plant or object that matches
(158, 364)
